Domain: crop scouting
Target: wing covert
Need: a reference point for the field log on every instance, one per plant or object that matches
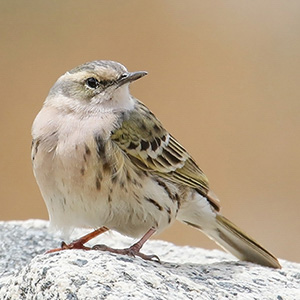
(150, 147)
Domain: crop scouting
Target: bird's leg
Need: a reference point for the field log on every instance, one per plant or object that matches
(133, 250)
(79, 244)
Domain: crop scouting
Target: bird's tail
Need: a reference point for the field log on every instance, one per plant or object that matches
(241, 245)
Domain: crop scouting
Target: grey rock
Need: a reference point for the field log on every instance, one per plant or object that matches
(184, 273)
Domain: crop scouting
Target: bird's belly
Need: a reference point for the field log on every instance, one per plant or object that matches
(124, 199)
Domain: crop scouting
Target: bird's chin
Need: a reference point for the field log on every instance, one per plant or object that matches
(118, 99)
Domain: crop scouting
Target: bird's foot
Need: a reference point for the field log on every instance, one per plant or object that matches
(79, 244)
(132, 251)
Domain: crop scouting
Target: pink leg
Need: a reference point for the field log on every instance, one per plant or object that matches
(134, 250)
(79, 244)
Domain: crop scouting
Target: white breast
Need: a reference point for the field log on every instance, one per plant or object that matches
(79, 192)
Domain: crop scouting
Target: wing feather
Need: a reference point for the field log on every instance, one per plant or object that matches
(150, 147)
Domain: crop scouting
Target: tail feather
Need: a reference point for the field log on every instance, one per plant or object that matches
(198, 212)
(233, 240)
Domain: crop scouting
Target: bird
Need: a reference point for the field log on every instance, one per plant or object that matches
(102, 160)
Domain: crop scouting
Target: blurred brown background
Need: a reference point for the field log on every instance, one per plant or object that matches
(223, 78)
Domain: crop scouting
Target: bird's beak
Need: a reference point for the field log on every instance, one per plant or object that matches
(129, 77)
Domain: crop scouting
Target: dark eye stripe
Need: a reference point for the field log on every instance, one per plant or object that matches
(105, 82)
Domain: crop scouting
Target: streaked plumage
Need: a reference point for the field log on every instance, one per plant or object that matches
(101, 158)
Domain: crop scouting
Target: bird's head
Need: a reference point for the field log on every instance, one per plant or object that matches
(98, 85)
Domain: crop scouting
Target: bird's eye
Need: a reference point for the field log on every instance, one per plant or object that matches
(92, 83)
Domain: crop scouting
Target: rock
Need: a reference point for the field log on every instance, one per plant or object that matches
(184, 273)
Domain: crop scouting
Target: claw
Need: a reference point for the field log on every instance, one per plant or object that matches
(148, 257)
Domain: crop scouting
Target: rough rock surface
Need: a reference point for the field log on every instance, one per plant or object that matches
(185, 272)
